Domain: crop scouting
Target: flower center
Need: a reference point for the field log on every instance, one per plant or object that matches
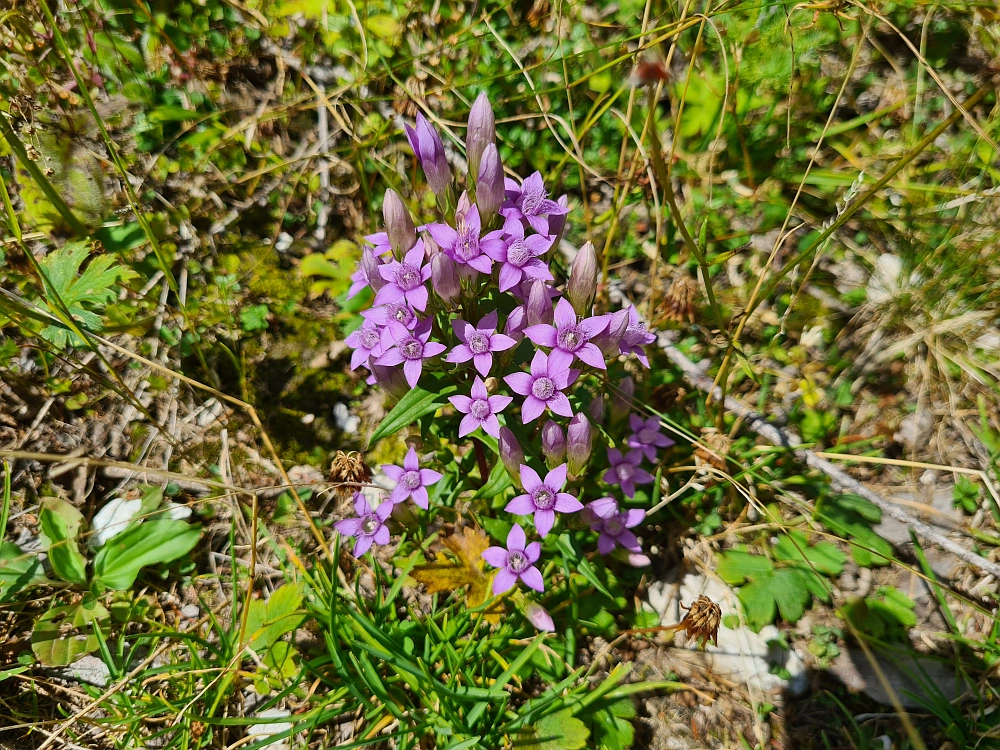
(647, 435)
(614, 526)
(369, 338)
(407, 277)
(467, 247)
(531, 201)
(401, 314)
(625, 472)
(517, 561)
(370, 524)
(543, 388)
(412, 348)
(411, 480)
(479, 342)
(480, 409)
(543, 498)
(518, 253)
(570, 338)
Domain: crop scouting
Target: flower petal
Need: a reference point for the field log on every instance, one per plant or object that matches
(544, 520)
(503, 581)
(515, 537)
(564, 314)
(532, 409)
(533, 551)
(566, 503)
(556, 479)
(541, 334)
(495, 556)
(533, 579)
(519, 382)
(462, 403)
(559, 404)
(520, 506)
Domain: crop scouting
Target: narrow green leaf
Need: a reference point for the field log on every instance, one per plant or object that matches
(498, 481)
(581, 563)
(410, 408)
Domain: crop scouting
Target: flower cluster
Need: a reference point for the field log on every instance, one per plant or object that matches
(473, 299)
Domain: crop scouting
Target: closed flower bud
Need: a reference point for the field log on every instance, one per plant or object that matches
(553, 444)
(427, 145)
(579, 443)
(596, 410)
(444, 278)
(621, 400)
(582, 284)
(489, 186)
(481, 133)
(608, 339)
(462, 207)
(539, 617)
(369, 266)
(511, 455)
(391, 379)
(539, 305)
(398, 224)
(517, 321)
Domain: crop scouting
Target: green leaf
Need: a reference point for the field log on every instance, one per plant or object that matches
(415, 404)
(17, 570)
(61, 524)
(758, 602)
(790, 593)
(581, 563)
(383, 26)
(157, 541)
(64, 634)
(613, 731)
(736, 566)
(268, 621)
(254, 318)
(498, 481)
(823, 556)
(558, 731)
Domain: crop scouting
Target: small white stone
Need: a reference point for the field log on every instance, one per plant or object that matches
(191, 611)
(308, 418)
(261, 731)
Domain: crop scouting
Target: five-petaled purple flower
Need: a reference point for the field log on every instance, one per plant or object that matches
(479, 343)
(613, 526)
(636, 337)
(569, 337)
(516, 561)
(399, 312)
(464, 245)
(405, 281)
(625, 470)
(646, 436)
(411, 481)
(369, 526)
(366, 342)
(519, 255)
(543, 498)
(480, 409)
(408, 348)
(543, 388)
(530, 201)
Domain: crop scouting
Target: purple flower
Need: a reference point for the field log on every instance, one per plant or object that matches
(543, 388)
(480, 409)
(599, 509)
(646, 436)
(408, 348)
(405, 280)
(538, 616)
(625, 470)
(411, 481)
(570, 338)
(543, 499)
(538, 304)
(479, 343)
(464, 245)
(427, 145)
(529, 201)
(519, 255)
(369, 526)
(366, 342)
(380, 240)
(614, 530)
(516, 561)
(636, 336)
(400, 312)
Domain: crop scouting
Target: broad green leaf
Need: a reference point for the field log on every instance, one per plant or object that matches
(281, 614)
(61, 524)
(278, 668)
(157, 541)
(736, 566)
(415, 404)
(64, 634)
(18, 569)
(614, 731)
(789, 592)
(558, 731)
(383, 25)
(758, 603)
(823, 556)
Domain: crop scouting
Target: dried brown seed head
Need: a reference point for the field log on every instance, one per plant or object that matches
(702, 620)
(679, 302)
(349, 470)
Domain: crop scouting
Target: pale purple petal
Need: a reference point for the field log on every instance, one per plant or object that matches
(509, 277)
(533, 579)
(488, 323)
(606, 543)
(533, 551)
(420, 497)
(363, 544)
(442, 234)
(519, 382)
(395, 473)
(462, 403)
(412, 369)
(566, 503)
(556, 479)
(559, 404)
(542, 335)
(501, 343)
(634, 517)
(483, 363)
(544, 520)
(417, 297)
(564, 314)
(349, 526)
(460, 353)
(515, 537)
(468, 424)
(433, 348)
(520, 506)
(504, 581)
(491, 426)
(532, 409)
(496, 556)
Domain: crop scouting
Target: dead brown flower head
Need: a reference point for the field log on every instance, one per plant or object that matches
(679, 302)
(349, 470)
(702, 620)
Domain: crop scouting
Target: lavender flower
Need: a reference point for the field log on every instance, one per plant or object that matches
(543, 498)
(480, 409)
(366, 274)
(543, 388)
(369, 526)
(570, 338)
(406, 280)
(553, 444)
(366, 342)
(519, 255)
(511, 454)
(400, 312)
(538, 616)
(464, 244)
(614, 530)
(646, 436)
(557, 222)
(529, 201)
(411, 481)
(427, 145)
(539, 303)
(636, 337)
(516, 561)
(398, 223)
(582, 284)
(609, 339)
(625, 471)
(599, 509)
(479, 343)
(408, 348)
(380, 241)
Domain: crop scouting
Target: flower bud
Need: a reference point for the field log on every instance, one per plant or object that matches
(579, 443)
(557, 222)
(608, 339)
(582, 284)
(517, 321)
(539, 305)
(369, 267)
(539, 617)
(398, 224)
(462, 207)
(511, 455)
(489, 186)
(391, 379)
(598, 510)
(596, 410)
(637, 559)
(481, 133)
(553, 444)
(444, 278)
(427, 145)
(621, 400)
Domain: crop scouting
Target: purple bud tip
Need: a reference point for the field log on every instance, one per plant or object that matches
(539, 617)
(482, 131)
(539, 305)
(553, 444)
(489, 185)
(444, 278)
(582, 284)
(398, 224)
(511, 455)
(579, 443)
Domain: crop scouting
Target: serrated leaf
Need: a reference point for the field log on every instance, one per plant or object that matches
(415, 404)
(61, 524)
(157, 541)
(468, 570)
(64, 634)
(558, 731)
